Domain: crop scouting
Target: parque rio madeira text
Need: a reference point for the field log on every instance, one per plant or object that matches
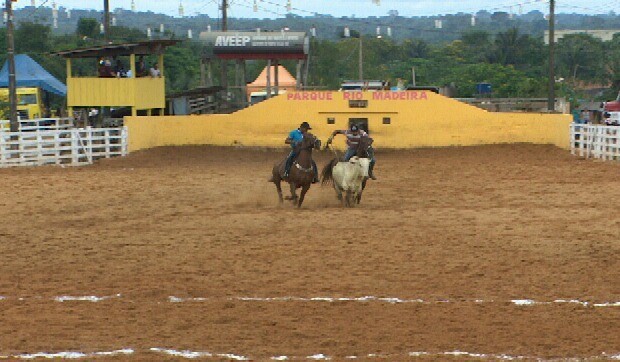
(386, 95)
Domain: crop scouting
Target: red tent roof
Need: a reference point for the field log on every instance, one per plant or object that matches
(284, 78)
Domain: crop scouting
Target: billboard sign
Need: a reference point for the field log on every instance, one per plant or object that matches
(256, 44)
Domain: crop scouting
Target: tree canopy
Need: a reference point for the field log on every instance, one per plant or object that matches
(514, 62)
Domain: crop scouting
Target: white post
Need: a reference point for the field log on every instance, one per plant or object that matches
(573, 139)
(75, 147)
(88, 148)
(2, 149)
(616, 144)
(39, 148)
(107, 143)
(57, 147)
(124, 141)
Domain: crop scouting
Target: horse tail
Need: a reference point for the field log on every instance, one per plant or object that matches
(326, 173)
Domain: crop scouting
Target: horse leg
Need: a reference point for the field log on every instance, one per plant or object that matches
(293, 192)
(293, 195)
(304, 189)
(279, 188)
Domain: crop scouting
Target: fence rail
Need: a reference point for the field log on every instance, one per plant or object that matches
(61, 147)
(593, 141)
(40, 124)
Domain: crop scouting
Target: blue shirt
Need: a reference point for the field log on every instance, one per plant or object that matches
(296, 136)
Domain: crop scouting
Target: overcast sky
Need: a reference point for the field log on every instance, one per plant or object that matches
(359, 8)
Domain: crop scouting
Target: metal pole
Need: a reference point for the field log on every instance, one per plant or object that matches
(277, 77)
(224, 75)
(106, 20)
(551, 102)
(361, 66)
(224, 15)
(298, 76)
(244, 84)
(203, 76)
(11, 59)
(268, 84)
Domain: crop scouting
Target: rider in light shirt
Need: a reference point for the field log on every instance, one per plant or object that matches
(354, 134)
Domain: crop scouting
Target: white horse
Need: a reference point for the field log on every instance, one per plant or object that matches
(347, 177)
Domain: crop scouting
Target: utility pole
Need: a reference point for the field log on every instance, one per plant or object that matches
(551, 102)
(224, 75)
(224, 15)
(361, 62)
(106, 20)
(14, 124)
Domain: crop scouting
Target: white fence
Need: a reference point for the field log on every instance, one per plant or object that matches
(593, 141)
(40, 124)
(61, 146)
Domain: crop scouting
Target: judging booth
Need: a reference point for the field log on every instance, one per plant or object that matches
(116, 83)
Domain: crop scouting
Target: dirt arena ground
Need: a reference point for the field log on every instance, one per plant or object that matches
(478, 244)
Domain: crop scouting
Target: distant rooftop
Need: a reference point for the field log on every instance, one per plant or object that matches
(123, 49)
(604, 35)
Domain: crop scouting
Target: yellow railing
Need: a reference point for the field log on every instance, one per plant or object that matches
(141, 93)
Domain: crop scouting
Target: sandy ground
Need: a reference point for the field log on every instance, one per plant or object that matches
(456, 234)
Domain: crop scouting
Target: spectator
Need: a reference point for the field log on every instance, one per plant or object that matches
(585, 116)
(92, 116)
(141, 67)
(105, 69)
(101, 71)
(154, 71)
(119, 70)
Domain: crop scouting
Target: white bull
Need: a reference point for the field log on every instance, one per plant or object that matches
(348, 178)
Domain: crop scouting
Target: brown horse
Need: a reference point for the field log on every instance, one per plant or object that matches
(301, 174)
(362, 152)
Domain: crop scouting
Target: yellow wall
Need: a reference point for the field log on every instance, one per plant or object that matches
(142, 93)
(421, 119)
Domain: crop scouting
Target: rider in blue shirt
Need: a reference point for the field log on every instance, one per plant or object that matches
(294, 139)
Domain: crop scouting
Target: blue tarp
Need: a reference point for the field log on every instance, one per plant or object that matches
(29, 73)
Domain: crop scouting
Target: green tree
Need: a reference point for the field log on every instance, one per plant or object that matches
(509, 47)
(182, 66)
(415, 48)
(32, 38)
(126, 34)
(612, 65)
(477, 45)
(87, 27)
(505, 80)
(326, 63)
(581, 57)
